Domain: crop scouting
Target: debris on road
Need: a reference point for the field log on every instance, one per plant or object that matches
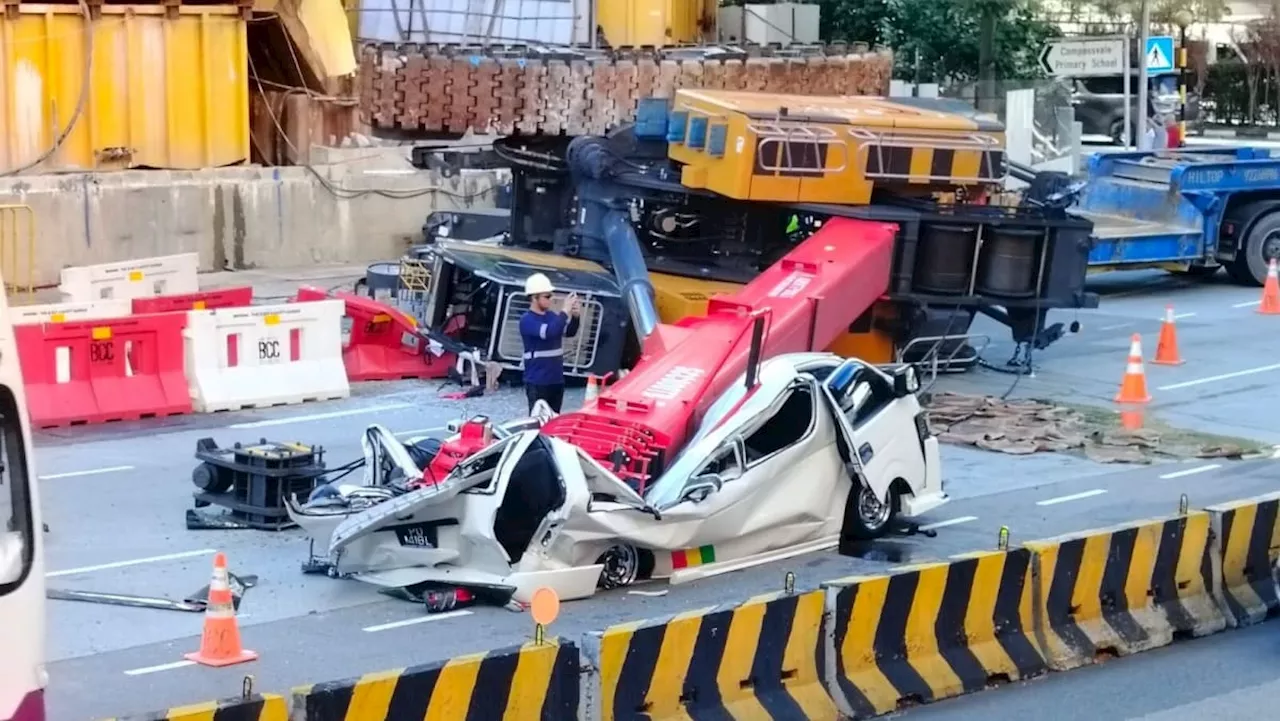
(195, 602)
(1023, 427)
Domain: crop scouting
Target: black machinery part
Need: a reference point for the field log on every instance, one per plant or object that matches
(1008, 267)
(252, 482)
(944, 263)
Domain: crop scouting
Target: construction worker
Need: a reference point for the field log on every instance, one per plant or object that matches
(543, 331)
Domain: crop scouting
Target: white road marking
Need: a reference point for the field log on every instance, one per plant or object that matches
(134, 562)
(90, 472)
(1072, 497)
(412, 621)
(161, 667)
(1116, 326)
(1191, 471)
(420, 431)
(651, 594)
(948, 522)
(320, 416)
(1222, 377)
(1247, 305)
(1177, 316)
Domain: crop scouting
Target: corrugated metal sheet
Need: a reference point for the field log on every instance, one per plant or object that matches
(164, 91)
(497, 22)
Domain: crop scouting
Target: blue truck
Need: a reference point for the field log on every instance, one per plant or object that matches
(1186, 211)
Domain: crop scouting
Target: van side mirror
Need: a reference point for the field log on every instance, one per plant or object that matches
(905, 381)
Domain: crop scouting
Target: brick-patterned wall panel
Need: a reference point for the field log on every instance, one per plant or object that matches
(413, 87)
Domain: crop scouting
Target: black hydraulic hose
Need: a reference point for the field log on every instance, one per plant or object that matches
(630, 271)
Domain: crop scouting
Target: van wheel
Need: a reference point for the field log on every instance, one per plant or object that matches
(621, 566)
(866, 518)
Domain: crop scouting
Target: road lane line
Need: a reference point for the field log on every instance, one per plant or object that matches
(1191, 471)
(411, 621)
(1116, 326)
(948, 522)
(90, 472)
(134, 562)
(1072, 497)
(1222, 377)
(161, 667)
(320, 416)
(1247, 305)
(1180, 316)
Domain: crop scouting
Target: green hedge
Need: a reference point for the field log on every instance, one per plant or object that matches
(1226, 96)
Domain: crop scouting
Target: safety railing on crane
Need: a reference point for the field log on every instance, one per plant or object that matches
(18, 248)
(799, 148)
(881, 144)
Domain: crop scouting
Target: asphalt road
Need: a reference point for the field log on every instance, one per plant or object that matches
(114, 498)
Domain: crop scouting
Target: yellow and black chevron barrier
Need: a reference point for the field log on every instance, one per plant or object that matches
(1124, 589)
(754, 660)
(255, 707)
(931, 631)
(1247, 537)
(533, 682)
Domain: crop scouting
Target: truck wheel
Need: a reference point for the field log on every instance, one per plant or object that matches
(1249, 267)
(866, 518)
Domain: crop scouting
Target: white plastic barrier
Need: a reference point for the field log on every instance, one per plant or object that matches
(265, 355)
(71, 312)
(144, 278)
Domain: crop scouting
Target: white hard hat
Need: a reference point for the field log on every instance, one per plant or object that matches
(537, 284)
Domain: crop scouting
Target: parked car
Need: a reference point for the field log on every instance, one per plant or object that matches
(1099, 104)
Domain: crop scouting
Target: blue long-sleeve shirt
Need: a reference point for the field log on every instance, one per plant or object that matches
(543, 335)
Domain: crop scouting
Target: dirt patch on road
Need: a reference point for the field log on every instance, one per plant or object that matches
(1023, 427)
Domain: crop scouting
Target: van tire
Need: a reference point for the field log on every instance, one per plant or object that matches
(862, 522)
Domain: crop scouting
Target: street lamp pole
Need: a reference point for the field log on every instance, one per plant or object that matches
(1144, 32)
(1183, 18)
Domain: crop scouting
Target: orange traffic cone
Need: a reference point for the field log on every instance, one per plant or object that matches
(1270, 304)
(593, 389)
(220, 643)
(1167, 347)
(1133, 389)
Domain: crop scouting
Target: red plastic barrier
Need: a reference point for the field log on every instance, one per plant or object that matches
(107, 370)
(384, 344)
(204, 300)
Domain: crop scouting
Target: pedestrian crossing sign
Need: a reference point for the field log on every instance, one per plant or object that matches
(1159, 54)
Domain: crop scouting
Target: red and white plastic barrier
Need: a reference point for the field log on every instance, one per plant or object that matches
(143, 278)
(265, 355)
(103, 370)
(383, 342)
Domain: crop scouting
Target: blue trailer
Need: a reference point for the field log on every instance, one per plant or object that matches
(1187, 211)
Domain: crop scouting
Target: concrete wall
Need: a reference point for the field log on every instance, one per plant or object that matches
(234, 217)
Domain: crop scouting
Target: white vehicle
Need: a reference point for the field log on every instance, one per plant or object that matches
(820, 447)
(22, 613)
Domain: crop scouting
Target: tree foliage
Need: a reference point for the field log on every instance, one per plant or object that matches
(1163, 12)
(937, 40)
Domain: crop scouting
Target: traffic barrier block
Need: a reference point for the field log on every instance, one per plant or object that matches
(520, 682)
(255, 707)
(265, 355)
(930, 632)
(757, 660)
(383, 342)
(1246, 539)
(1125, 589)
(64, 312)
(142, 278)
(203, 300)
(105, 370)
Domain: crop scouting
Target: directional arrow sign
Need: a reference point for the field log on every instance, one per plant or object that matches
(1084, 57)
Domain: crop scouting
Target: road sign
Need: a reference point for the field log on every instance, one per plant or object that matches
(1084, 57)
(1159, 54)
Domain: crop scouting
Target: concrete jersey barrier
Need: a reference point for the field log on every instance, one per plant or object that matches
(755, 660)
(533, 682)
(256, 707)
(1125, 589)
(929, 632)
(1246, 537)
